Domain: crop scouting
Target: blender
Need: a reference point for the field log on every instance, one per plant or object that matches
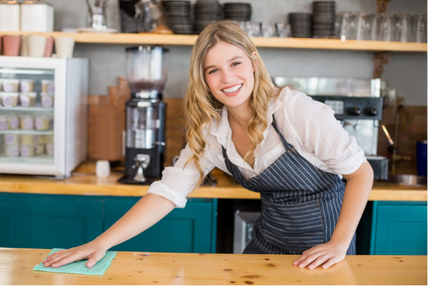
(145, 114)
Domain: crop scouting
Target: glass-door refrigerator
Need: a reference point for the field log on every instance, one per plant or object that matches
(43, 113)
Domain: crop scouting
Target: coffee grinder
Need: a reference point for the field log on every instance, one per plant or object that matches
(145, 114)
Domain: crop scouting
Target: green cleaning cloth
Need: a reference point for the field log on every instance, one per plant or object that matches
(79, 267)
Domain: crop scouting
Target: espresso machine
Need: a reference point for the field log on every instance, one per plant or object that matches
(357, 105)
(145, 114)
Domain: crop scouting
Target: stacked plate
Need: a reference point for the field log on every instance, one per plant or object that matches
(301, 24)
(206, 12)
(178, 16)
(237, 11)
(324, 16)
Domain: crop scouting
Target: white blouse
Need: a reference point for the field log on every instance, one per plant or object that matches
(308, 125)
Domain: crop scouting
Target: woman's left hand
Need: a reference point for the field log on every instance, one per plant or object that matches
(325, 254)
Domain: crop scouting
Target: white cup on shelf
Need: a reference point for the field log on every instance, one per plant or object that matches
(102, 168)
(36, 45)
(64, 47)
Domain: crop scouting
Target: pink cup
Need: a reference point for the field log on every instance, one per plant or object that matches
(11, 45)
(49, 47)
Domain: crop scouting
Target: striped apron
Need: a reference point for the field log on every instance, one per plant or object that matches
(300, 204)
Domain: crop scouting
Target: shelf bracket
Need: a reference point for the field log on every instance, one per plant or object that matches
(380, 60)
(382, 5)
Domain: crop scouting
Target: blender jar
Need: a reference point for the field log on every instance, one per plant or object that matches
(146, 70)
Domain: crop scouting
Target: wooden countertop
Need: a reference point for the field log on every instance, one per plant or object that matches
(16, 267)
(84, 182)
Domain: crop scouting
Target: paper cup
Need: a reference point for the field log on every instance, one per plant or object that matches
(10, 99)
(28, 139)
(27, 151)
(36, 45)
(13, 121)
(47, 99)
(43, 122)
(4, 122)
(12, 151)
(48, 86)
(27, 122)
(64, 46)
(28, 99)
(10, 85)
(50, 149)
(11, 139)
(27, 85)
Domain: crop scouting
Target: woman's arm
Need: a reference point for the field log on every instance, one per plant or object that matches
(357, 190)
(146, 212)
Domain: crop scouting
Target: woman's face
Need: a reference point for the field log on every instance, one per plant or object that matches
(229, 74)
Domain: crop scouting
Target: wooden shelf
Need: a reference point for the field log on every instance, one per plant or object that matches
(188, 40)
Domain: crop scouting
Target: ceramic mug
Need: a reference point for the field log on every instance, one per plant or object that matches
(37, 45)
(64, 46)
(11, 45)
(102, 168)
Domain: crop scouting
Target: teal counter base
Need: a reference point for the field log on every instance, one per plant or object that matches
(64, 221)
(399, 228)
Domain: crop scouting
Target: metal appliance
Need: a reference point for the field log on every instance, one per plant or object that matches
(145, 114)
(357, 104)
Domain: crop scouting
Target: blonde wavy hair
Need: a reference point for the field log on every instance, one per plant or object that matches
(202, 107)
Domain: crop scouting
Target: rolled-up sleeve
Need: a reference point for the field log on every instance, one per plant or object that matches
(324, 136)
(178, 181)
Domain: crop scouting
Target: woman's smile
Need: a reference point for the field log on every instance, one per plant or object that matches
(232, 91)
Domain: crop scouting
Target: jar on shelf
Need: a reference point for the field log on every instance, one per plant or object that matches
(48, 86)
(28, 99)
(27, 85)
(11, 139)
(27, 122)
(11, 150)
(49, 140)
(13, 121)
(10, 85)
(4, 122)
(27, 150)
(47, 99)
(43, 121)
(10, 99)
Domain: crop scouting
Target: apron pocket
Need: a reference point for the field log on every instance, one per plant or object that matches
(293, 227)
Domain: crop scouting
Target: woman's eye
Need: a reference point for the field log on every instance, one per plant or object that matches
(236, 63)
(212, 71)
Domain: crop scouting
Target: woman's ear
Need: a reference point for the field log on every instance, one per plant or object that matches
(256, 56)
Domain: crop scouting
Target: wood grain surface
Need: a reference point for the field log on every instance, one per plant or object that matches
(16, 267)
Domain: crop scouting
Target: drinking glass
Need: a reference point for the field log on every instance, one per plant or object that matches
(361, 26)
(283, 30)
(347, 26)
(373, 22)
(252, 29)
(268, 29)
(420, 29)
(387, 27)
(404, 28)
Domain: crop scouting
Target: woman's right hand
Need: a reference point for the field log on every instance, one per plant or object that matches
(91, 251)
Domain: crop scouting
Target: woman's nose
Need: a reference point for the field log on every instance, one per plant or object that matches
(227, 76)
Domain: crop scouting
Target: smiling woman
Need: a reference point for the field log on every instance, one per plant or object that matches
(277, 142)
